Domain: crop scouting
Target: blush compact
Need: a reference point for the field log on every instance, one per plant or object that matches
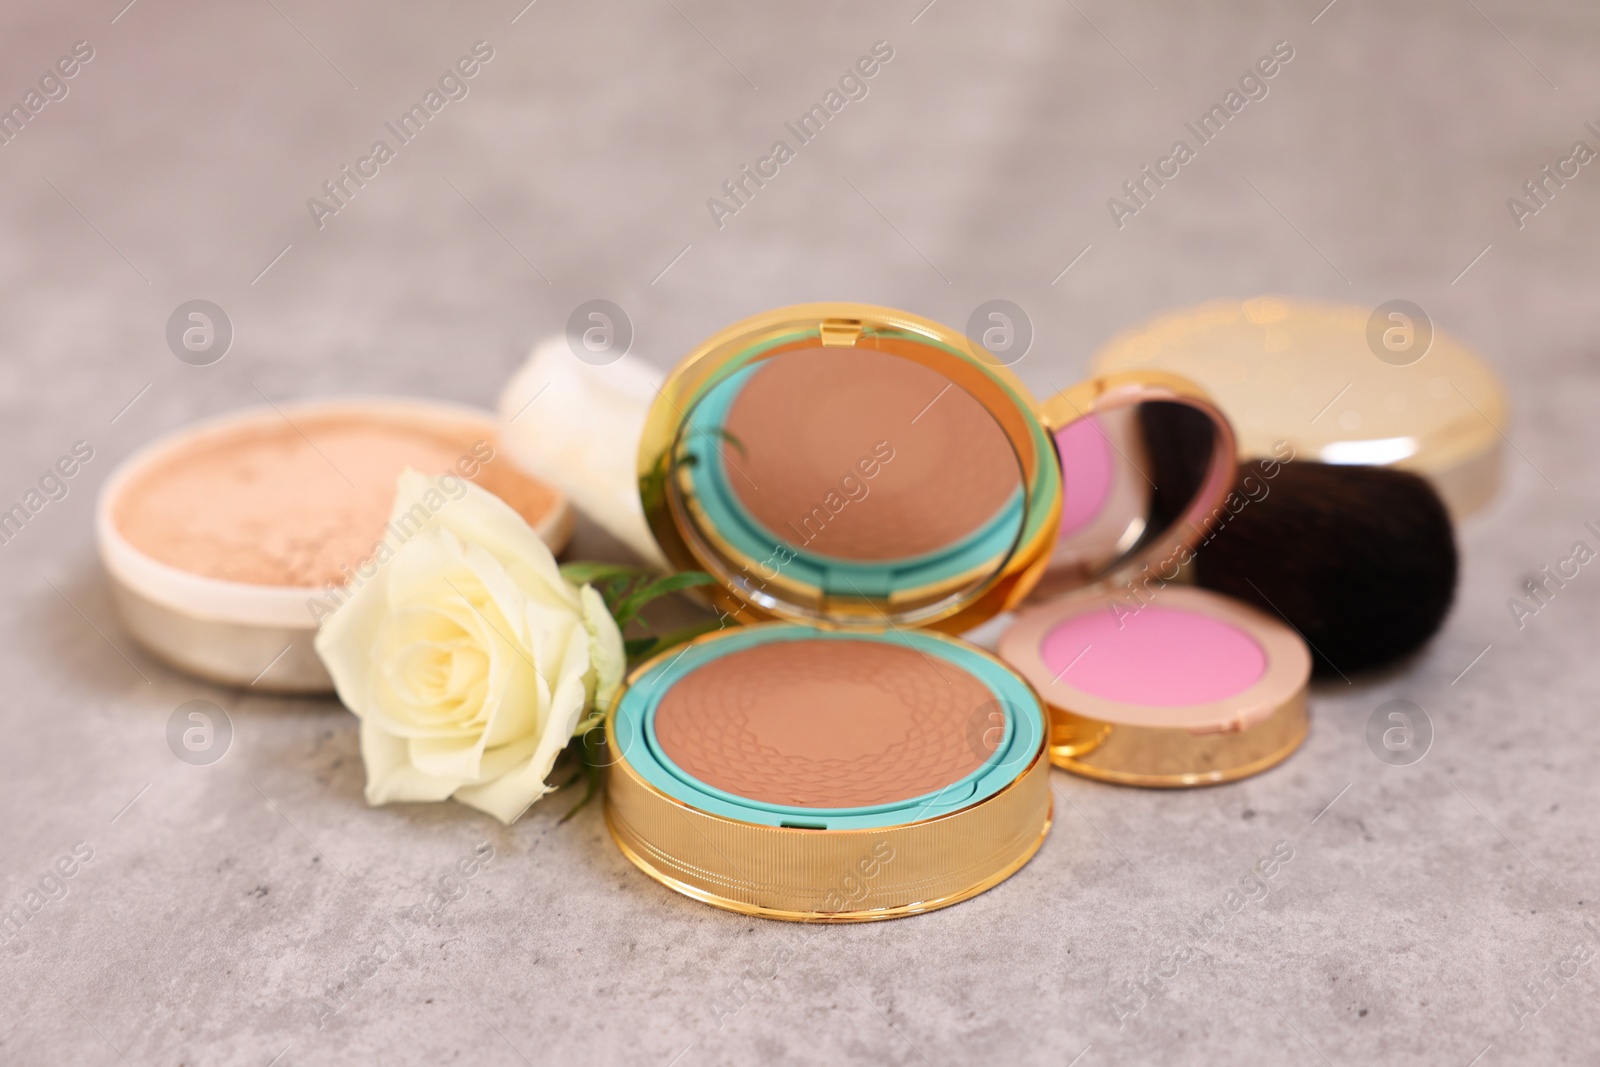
(1149, 680)
(1193, 689)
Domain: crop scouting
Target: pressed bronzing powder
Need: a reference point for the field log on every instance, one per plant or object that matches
(1190, 688)
(281, 504)
(827, 724)
(865, 456)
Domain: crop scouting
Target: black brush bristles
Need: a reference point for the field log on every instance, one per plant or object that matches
(1360, 560)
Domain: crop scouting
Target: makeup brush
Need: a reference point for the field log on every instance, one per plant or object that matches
(1360, 560)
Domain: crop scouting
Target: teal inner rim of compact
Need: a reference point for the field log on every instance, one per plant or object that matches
(633, 732)
(703, 456)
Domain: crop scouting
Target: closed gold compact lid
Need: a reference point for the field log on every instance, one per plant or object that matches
(1340, 384)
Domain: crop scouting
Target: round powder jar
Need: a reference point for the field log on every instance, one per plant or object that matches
(228, 541)
(1186, 688)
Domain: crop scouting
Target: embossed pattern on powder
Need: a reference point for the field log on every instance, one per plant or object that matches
(827, 723)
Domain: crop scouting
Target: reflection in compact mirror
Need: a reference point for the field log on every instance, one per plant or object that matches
(1129, 474)
(829, 475)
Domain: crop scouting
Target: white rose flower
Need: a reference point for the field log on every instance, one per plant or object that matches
(469, 659)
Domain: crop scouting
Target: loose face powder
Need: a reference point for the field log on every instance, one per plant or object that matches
(270, 502)
(828, 723)
(1157, 656)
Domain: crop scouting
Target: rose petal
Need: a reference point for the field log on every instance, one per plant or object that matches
(483, 519)
(344, 647)
(510, 795)
(390, 700)
(390, 775)
(606, 650)
(498, 588)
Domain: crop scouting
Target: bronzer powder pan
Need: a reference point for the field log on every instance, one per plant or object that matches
(801, 728)
(223, 538)
(826, 724)
(865, 471)
(793, 772)
(814, 424)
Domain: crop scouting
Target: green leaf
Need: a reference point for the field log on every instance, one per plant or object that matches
(688, 633)
(638, 648)
(627, 590)
(615, 582)
(635, 600)
(587, 572)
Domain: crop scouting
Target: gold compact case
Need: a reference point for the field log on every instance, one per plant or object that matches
(862, 483)
(1339, 384)
(1151, 681)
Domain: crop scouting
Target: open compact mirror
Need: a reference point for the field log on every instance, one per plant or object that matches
(1151, 681)
(851, 473)
(1145, 462)
(857, 486)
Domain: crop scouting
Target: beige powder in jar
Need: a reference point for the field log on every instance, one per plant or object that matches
(295, 504)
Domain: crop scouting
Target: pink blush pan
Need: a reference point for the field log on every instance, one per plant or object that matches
(1187, 688)
(1158, 656)
(1188, 660)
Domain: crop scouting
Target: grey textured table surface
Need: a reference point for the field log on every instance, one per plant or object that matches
(222, 901)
